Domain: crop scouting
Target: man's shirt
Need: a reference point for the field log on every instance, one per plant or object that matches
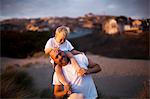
(84, 85)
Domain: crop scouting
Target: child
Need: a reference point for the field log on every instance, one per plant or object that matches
(60, 42)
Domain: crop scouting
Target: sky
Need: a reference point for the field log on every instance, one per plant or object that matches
(73, 8)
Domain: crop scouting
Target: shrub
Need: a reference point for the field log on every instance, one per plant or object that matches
(16, 84)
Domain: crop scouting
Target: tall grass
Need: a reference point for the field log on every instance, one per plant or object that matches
(16, 84)
(145, 92)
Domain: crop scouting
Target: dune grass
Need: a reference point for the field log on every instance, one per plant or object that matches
(16, 84)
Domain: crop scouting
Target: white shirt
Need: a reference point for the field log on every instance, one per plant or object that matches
(84, 85)
(51, 43)
(66, 46)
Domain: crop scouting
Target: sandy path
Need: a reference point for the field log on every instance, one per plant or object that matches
(110, 66)
(21, 62)
(119, 77)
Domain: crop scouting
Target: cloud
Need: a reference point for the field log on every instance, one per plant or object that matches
(40, 8)
(112, 6)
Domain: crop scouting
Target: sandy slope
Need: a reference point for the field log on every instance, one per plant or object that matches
(121, 67)
(119, 77)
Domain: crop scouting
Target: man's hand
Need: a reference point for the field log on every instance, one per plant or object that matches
(67, 89)
(82, 72)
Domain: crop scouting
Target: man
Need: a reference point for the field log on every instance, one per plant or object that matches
(82, 86)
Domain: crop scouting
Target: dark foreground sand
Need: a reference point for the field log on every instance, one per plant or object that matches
(119, 77)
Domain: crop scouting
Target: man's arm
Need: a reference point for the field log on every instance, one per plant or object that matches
(93, 67)
(59, 92)
(60, 75)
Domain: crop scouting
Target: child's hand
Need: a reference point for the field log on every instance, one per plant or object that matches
(56, 49)
(81, 72)
(53, 51)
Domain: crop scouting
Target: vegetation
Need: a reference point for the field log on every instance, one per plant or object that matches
(115, 46)
(15, 44)
(16, 84)
(47, 93)
(21, 45)
(145, 92)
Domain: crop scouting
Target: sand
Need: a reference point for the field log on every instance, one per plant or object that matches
(118, 78)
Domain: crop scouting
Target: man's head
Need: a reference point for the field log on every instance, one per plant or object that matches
(59, 57)
(61, 34)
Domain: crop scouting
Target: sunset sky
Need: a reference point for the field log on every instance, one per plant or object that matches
(73, 8)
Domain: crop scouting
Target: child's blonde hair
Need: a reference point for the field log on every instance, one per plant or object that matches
(63, 29)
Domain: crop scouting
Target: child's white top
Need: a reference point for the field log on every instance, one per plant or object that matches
(66, 46)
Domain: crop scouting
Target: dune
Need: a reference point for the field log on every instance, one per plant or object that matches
(118, 78)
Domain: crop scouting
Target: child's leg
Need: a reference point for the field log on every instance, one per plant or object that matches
(75, 52)
(80, 71)
(73, 61)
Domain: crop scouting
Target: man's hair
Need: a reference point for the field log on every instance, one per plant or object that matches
(68, 60)
(63, 29)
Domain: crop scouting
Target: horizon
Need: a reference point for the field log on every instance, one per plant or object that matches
(66, 16)
(61, 17)
(58, 8)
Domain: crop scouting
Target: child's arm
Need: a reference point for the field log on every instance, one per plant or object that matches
(47, 50)
(74, 52)
(60, 75)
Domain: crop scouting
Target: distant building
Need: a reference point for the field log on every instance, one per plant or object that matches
(31, 27)
(135, 27)
(136, 23)
(110, 26)
(88, 24)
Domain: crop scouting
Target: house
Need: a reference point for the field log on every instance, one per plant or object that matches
(110, 26)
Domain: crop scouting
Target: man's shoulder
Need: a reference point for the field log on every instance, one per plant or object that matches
(69, 65)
